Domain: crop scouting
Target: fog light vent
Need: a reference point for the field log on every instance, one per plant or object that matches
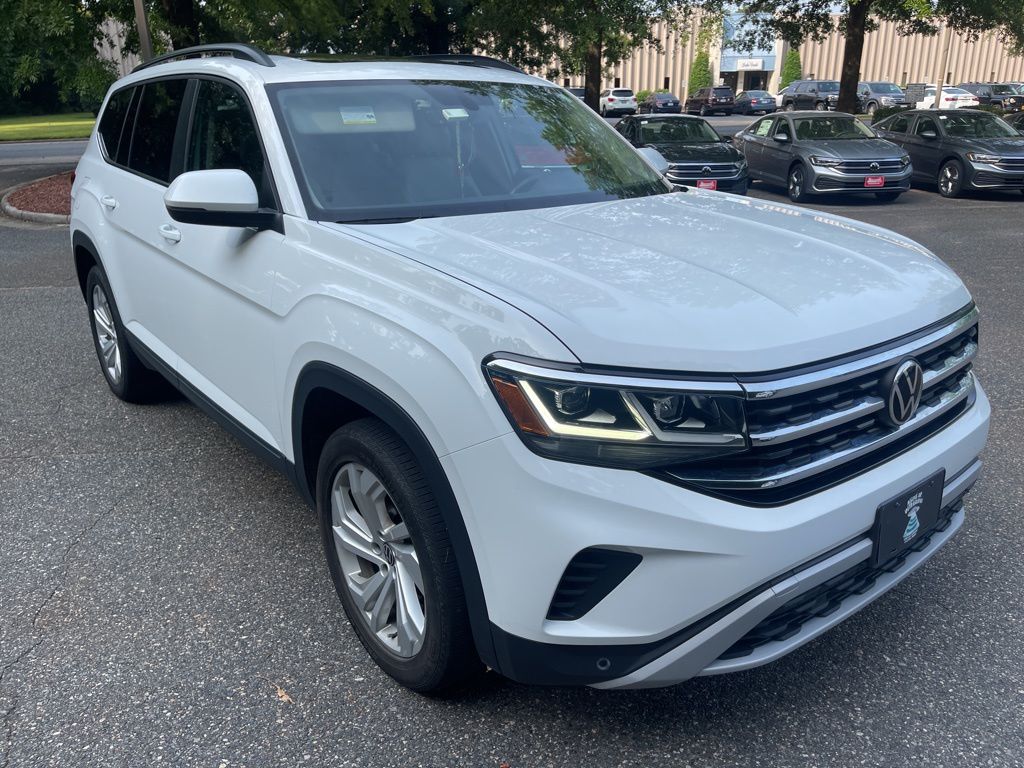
(590, 576)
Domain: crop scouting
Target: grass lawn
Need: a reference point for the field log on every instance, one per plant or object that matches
(77, 125)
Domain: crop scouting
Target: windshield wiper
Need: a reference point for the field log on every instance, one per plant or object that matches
(385, 220)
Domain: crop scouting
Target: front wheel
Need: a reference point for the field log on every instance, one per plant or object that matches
(797, 186)
(791, 107)
(820, 106)
(391, 560)
(703, 111)
(951, 179)
(872, 108)
(888, 196)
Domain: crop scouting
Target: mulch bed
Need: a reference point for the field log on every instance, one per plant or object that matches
(52, 195)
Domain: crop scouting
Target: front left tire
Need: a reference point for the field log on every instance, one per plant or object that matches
(797, 184)
(951, 179)
(391, 560)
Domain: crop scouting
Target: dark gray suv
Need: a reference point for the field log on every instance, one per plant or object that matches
(959, 149)
(820, 95)
(811, 153)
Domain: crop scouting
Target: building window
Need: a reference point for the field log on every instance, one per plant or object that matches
(665, 84)
(618, 82)
(565, 82)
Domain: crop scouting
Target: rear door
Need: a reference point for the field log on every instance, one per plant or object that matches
(753, 141)
(148, 157)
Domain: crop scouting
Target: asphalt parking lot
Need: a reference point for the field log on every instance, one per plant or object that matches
(163, 599)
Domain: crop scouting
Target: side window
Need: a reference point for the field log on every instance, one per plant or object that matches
(763, 126)
(925, 124)
(898, 124)
(112, 123)
(223, 135)
(155, 123)
(782, 126)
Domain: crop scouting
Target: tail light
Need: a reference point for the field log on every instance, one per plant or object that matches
(611, 98)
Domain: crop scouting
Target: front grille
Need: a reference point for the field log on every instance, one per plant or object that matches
(828, 597)
(863, 167)
(809, 430)
(827, 182)
(1011, 163)
(986, 179)
(696, 170)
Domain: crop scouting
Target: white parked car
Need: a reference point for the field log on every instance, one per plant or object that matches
(780, 96)
(952, 98)
(617, 101)
(555, 419)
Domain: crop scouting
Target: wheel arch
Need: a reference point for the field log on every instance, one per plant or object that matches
(325, 398)
(86, 256)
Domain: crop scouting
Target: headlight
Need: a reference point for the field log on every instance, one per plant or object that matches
(826, 162)
(741, 164)
(905, 161)
(977, 157)
(617, 421)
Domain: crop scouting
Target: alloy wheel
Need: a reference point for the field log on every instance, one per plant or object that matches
(106, 335)
(949, 180)
(380, 564)
(796, 183)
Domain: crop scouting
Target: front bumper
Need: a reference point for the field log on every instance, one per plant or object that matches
(830, 181)
(992, 176)
(711, 571)
(736, 184)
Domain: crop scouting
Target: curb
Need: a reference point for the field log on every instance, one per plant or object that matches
(38, 218)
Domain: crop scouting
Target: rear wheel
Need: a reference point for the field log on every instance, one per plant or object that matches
(797, 186)
(951, 177)
(888, 196)
(124, 372)
(391, 560)
(820, 106)
(703, 111)
(872, 108)
(791, 107)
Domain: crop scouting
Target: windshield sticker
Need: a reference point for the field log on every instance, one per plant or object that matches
(454, 114)
(358, 116)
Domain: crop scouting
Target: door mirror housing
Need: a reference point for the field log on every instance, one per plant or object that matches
(219, 198)
(928, 135)
(655, 159)
(782, 138)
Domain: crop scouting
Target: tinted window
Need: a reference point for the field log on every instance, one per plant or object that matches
(926, 124)
(677, 132)
(112, 122)
(623, 92)
(976, 125)
(832, 127)
(155, 123)
(898, 124)
(223, 135)
(722, 92)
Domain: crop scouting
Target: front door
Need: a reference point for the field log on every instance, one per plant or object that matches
(925, 152)
(778, 154)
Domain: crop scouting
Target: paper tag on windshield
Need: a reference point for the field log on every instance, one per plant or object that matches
(454, 113)
(358, 116)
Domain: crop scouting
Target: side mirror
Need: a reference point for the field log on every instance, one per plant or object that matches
(928, 135)
(218, 198)
(654, 158)
(782, 138)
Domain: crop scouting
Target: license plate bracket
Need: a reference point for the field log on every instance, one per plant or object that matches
(707, 184)
(874, 181)
(904, 519)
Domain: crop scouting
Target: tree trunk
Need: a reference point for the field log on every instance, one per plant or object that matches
(592, 72)
(184, 22)
(856, 22)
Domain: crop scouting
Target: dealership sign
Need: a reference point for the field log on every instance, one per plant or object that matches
(746, 65)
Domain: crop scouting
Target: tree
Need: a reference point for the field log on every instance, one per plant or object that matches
(700, 72)
(792, 68)
(567, 37)
(798, 20)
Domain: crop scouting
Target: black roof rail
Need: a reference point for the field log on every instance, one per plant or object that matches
(236, 50)
(470, 59)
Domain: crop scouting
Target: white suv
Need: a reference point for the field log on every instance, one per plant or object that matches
(555, 418)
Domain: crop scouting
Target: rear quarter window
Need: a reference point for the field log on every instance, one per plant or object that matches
(112, 122)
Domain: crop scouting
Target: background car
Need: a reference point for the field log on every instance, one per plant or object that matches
(1002, 95)
(952, 98)
(780, 97)
(660, 102)
(750, 102)
(876, 94)
(1016, 121)
(697, 155)
(819, 95)
(959, 150)
(579, 93)
(617, 101)
(811, 153)
(708, 101)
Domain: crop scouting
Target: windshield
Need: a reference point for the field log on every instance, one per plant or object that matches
(835, 127)
(830, 86)
(680, 131)
(369, 151)
(1003, 90)
(758, 94)
(977, 126)
(885, 88)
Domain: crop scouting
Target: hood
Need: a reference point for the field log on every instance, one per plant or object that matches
(1014, 147)
(712, 152)
(692, 281)
(852, 149)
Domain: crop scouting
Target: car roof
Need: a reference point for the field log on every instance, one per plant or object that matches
(667, 117)
(286, 69)
(811, 113)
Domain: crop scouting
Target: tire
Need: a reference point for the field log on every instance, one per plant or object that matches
(703, 111)
(888, 196)
(796, 185)
(790, 107)
(872, 108)
(126, 375)
(951, 179)
(436, 655)
(820, 106)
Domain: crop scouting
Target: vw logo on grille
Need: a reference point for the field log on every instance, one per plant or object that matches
(904, 395)
(874, 166)
(706, 170)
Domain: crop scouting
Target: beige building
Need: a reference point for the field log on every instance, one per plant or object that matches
(887, 56)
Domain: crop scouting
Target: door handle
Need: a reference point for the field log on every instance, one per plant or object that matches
(170, 232)
(109, 202)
